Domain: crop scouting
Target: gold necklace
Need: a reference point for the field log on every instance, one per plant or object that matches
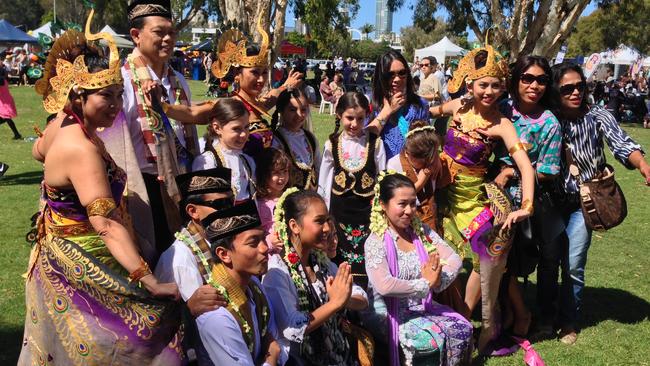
(470, 121)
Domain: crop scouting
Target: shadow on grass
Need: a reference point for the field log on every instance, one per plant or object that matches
(600, 304)
(11, 339)
(27, 178)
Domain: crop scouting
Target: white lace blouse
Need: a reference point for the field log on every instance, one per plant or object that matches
(409, 282)
(353, 156)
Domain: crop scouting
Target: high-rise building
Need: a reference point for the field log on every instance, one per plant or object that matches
(383, 19)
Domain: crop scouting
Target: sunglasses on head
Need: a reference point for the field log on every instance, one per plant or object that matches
(530, 78)
(219, 203)
(567, 89)
(401, 73)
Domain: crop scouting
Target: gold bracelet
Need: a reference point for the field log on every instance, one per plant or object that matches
(142, 271)
(516, 147)
(527, 206)
(440, 112)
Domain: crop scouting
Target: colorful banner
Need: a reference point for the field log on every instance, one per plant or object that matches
(592, 63)
(560, 55)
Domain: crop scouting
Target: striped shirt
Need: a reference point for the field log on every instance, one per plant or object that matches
(585, 136)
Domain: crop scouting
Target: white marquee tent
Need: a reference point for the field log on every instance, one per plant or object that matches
(119, 40)
(622, 55)
(440, 50)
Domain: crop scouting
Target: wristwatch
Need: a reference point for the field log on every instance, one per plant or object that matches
(382, 122)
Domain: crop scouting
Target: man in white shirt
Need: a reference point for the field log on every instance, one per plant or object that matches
(152, 149)
(188, 261)
(430, 86)
(244, 332)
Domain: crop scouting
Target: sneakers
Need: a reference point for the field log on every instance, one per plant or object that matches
(3, 169)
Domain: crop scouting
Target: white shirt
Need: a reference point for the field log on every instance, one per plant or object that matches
(223, 338)
(353, 156)
(178, 264)
(240, 176)
(443, 82)
(299, 145)
(130, 110)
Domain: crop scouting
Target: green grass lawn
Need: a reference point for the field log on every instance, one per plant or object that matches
(616, 327)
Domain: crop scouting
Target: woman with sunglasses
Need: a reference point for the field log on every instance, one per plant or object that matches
(394, 102)
(583, 130)
(529, 109)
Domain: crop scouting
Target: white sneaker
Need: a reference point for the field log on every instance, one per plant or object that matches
(3, 169)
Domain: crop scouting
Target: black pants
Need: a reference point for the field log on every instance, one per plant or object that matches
(554, 299)
(164, 237)
(12, 125)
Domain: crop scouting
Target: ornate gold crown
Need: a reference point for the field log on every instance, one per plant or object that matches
(495, 66)
(231, 50)
(58, 80)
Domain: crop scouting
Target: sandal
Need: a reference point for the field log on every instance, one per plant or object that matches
(568, 337)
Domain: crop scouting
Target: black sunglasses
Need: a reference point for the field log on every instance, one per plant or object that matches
(401, 73)
(530, 78)
(219, 203)
(567, 89)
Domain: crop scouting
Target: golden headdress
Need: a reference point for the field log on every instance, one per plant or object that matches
(495, 66)
(231, 50)
(61, 75)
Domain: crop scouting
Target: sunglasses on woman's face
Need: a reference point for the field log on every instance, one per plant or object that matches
(401, 73)
(530, 78)
(567, 89)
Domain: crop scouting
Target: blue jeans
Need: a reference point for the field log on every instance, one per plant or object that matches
(579, 241)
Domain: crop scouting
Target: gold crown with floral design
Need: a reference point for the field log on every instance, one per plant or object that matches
(495, 66)
(231, 50)
(58, 80)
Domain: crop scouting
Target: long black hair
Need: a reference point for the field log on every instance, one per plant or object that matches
(381, 80)
(351, 99)
(558, 72)
(550, 98)
(283, 101)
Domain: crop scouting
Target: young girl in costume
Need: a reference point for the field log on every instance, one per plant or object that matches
(352, 158)
(478, 214)
(227, 135)
(272, 175)
(407, 263)
(290, 136)
(307, 290)
(420, 162)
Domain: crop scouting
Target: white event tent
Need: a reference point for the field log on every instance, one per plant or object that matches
(440, 50)
(120, 41)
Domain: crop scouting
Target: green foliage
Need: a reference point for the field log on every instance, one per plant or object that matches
(617, 22)
(328, 25)
(25, 13)
(367, 50)
(366, 29)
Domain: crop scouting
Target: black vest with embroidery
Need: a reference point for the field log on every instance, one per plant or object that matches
(222, 164)
(300, 177)
(360, 181)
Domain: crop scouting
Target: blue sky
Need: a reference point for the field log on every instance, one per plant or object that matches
(402, 18)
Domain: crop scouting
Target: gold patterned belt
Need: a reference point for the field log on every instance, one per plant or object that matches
(60, 226)
(455, 168)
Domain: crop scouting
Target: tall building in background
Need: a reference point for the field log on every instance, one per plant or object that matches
(383, 19)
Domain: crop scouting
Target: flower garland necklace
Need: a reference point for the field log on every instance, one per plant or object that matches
(222, 290)
(291, 257)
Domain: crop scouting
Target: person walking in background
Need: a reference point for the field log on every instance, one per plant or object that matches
(7, 105)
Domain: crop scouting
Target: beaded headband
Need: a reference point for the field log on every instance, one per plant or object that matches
(231, 50)
(55, 89)
(420, 129)
(495, 66)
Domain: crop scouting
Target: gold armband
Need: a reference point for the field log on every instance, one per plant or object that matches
(527, 206)
(516, 147)
(165, 107)
(101, 207)
(142, 271)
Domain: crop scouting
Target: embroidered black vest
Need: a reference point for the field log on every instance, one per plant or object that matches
(360, 181)
(300, 176)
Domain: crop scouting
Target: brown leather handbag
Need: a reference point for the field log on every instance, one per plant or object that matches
(601, 198)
